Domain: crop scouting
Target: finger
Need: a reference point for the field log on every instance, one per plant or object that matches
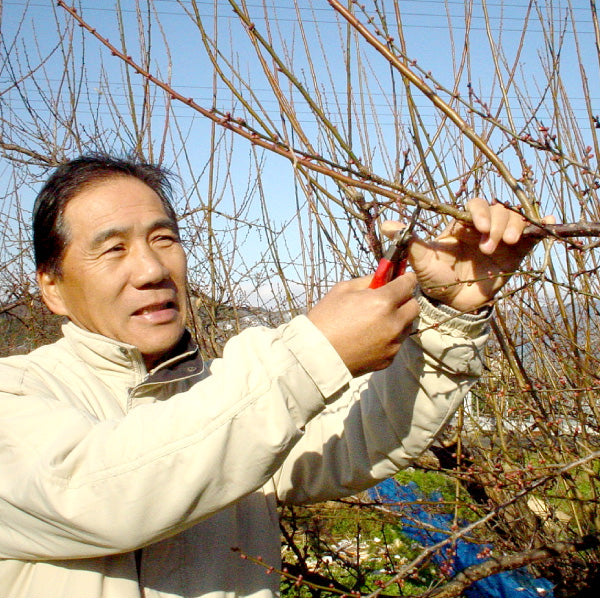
(500, 217)
(514, 228)
(401, 289)
(356, 284)
(391, 228)
(492, 222)
(419, 250)
(407, 313)
(481, 214)
(518, 223)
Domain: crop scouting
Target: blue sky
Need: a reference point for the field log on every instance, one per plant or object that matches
(426, 25)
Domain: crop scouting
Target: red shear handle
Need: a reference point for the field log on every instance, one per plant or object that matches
(386, 271)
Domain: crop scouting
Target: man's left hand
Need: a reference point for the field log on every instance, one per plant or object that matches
(467, 264)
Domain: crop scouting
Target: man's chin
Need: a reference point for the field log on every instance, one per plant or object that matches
(153, 350)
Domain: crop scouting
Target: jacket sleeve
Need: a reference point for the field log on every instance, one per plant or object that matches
(387, 419)
(74, 486)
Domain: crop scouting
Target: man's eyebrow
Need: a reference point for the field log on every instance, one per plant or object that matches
(107, 234)
(113, 232)
(165, 223)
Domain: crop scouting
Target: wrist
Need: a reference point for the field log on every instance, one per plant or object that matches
(451, 311)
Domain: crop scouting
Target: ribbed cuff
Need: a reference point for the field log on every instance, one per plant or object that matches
(449, 320)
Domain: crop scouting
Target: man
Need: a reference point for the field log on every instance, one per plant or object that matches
(131, 469)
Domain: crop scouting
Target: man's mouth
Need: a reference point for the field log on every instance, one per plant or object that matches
(156, 309)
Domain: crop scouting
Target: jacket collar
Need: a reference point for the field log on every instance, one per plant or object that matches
(114, 357)
(182, 362)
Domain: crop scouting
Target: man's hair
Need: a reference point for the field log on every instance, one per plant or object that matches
(50, 232)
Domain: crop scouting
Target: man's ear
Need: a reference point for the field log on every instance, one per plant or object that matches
(51, 292)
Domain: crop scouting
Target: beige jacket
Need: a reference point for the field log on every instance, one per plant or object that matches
(99, 458)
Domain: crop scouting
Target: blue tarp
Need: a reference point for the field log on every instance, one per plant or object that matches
(518, 583)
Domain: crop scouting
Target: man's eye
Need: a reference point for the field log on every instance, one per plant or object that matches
(115, 249)
(166, 238)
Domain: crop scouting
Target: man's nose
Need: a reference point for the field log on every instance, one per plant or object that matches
(147, 268)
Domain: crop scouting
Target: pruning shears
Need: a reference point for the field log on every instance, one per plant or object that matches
(393, 262)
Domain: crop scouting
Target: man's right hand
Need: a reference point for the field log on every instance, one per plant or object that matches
(367, 326)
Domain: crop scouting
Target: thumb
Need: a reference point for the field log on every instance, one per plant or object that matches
(418, 251)
(358, 283)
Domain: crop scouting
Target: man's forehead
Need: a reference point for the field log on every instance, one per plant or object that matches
(117, 207)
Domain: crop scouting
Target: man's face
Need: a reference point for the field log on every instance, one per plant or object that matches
(124, 270)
